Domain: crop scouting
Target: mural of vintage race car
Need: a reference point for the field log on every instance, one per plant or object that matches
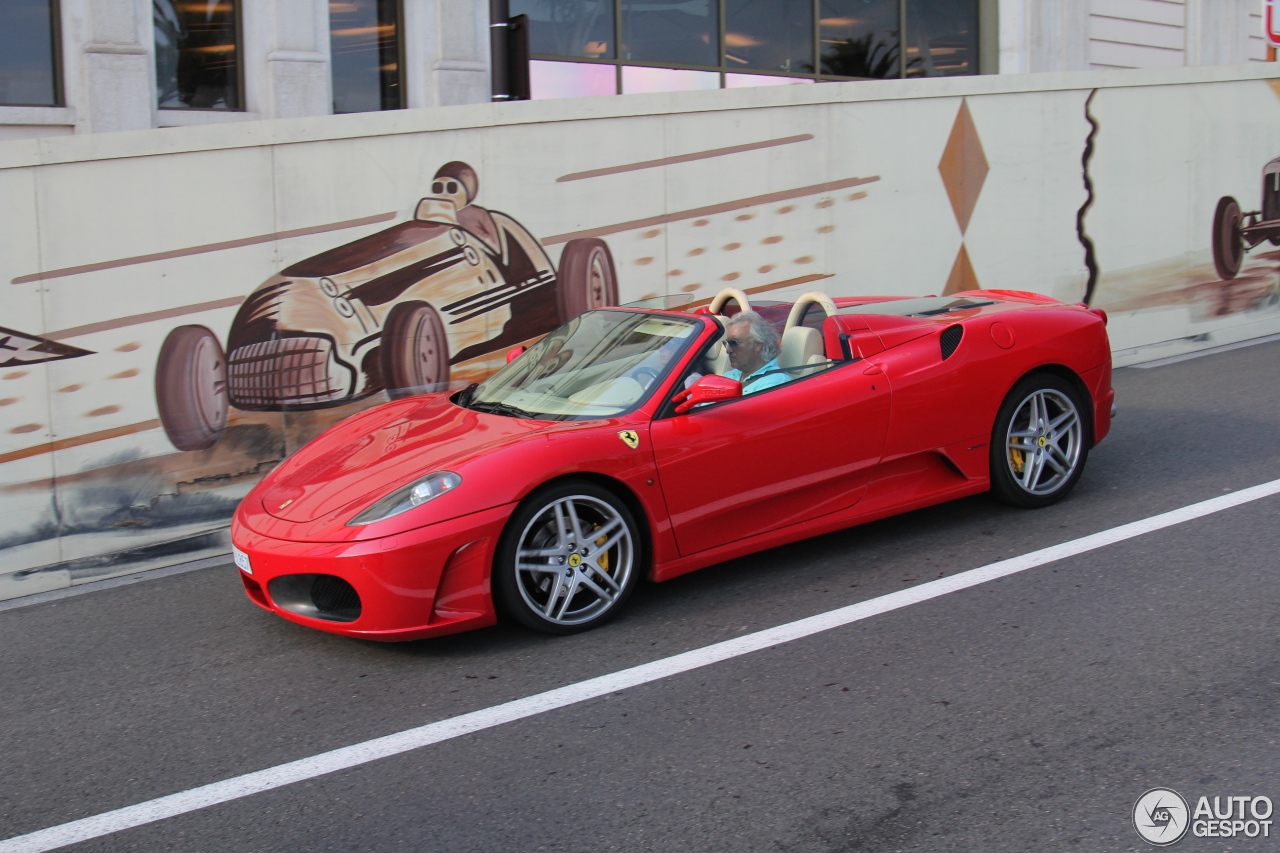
(1234, 233)
(392, 311)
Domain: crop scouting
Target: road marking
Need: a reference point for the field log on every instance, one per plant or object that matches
(355, 755)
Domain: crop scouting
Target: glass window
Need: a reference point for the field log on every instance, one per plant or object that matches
(28, 70)
(568, 27)
(364, 42)
(571, 79)
(679, 33)
(673, 45)
(859, 38)
(197, 54)
(942, 38)
(637, 79)
(775, 35)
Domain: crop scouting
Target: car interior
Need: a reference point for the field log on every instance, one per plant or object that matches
(803, 350)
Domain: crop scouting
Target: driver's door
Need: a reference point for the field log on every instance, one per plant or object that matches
(772, 458)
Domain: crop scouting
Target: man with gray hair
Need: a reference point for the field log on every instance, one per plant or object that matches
(753, 353)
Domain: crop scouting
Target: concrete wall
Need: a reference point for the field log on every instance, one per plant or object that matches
(1089, 186)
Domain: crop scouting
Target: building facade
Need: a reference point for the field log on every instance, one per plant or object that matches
(81, 66)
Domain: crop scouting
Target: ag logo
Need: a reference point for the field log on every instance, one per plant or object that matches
(630, 438)
(1161, 817)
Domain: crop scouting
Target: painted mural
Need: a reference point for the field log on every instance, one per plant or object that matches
(179, 345)
(370, 315)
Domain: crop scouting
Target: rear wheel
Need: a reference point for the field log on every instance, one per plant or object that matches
(568, 559)
(586, 279)
(1040, 442)
(191, 388)
(414, 350)
(1228, 245)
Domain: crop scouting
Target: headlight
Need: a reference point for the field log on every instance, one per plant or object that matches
(412, 495)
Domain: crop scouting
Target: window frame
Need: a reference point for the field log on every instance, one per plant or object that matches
(241, 105)
(55, 59)
(985, 59)
(402, 78)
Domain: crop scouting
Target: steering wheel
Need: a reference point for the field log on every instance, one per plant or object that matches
(802, 305)
(646, 376)
(719, 300)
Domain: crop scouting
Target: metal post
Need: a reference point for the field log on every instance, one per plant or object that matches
(499, 12)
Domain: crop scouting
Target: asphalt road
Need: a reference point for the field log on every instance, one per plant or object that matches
(1027, 713)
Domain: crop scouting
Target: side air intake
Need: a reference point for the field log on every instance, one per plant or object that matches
(950, 339)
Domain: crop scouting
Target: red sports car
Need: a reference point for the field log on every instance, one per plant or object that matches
(546, 492)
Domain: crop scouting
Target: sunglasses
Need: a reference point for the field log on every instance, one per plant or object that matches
(731, 344)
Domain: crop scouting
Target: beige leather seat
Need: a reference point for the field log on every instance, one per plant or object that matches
(801, 347)
(717, 359)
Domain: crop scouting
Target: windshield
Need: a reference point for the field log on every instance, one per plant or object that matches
(599, 364)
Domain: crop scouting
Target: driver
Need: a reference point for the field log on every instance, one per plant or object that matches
(753, 348)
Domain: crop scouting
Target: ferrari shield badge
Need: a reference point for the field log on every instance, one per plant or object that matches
(630, 438)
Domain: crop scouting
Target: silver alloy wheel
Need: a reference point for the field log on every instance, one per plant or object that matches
(1044, 442)
(574, 559)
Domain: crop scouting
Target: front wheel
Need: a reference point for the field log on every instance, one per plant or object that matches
(568, 559)
(1040, 442)
(1228, 245)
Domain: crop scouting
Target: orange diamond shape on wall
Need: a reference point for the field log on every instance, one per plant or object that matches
(963, 166)
(962, 275)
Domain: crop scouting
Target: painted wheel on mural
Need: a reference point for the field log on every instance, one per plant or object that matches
(191, 388)
(415, 350)
(586, 279)
(1228, 245)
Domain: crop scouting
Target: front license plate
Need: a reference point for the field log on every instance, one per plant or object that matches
(242, 560)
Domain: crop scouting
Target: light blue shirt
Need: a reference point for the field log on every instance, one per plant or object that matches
(761, 378)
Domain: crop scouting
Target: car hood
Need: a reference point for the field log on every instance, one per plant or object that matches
(364, 458)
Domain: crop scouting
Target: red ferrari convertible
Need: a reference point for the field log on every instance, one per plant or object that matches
(614, 448)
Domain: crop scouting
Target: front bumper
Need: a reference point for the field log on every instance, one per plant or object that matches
(421, 583)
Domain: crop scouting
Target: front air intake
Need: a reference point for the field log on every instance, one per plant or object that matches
(950, 339)
(316, 596)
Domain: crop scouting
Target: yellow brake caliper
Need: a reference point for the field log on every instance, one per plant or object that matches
(603, 562)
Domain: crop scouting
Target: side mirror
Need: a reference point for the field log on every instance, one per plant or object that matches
(708, 389)
(514, 354)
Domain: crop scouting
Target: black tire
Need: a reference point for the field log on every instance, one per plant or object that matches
(535, 559)
(586, 278)
(414, 350)
(1040, 442)
(191, 388)
(1228, 245)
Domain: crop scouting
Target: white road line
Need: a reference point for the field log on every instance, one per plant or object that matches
(518, 709)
